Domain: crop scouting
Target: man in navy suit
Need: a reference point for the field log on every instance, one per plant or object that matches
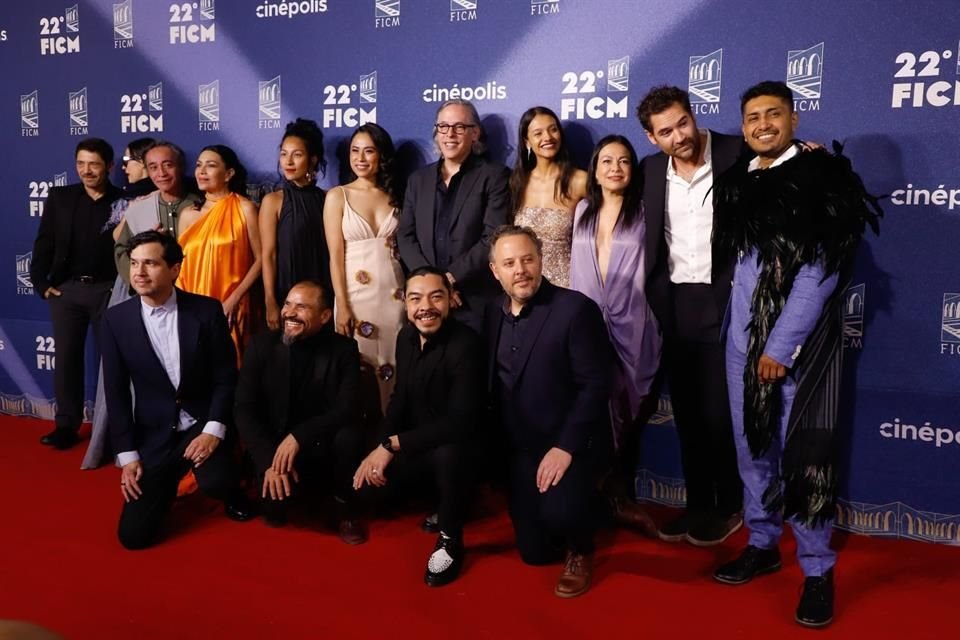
(451, 209)
(174, 349)
(550, 364)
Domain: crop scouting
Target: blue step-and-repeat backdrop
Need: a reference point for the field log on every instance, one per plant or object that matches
(883, 77)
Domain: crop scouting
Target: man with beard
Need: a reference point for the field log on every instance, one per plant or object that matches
(72, 269)
(169, 372)
(296, 409)
(549, 359)
(431, 424)
(793, 220)
(688, 285)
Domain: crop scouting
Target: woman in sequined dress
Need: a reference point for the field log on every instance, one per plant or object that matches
(546, 187)
(360, 219)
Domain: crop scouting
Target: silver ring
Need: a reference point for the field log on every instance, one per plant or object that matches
(375, 472)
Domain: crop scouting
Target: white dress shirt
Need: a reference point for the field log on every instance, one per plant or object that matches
(688, 221)
(163, 331)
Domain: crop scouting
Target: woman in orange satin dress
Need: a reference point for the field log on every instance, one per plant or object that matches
(221, 240)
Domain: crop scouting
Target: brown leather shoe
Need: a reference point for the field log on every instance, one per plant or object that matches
(352, 531)
(630, 514)
(575, 579)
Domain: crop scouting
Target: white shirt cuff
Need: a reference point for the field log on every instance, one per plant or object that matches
(126, 457)
(215, 428)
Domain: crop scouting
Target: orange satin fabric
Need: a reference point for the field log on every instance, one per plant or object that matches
(216, 257)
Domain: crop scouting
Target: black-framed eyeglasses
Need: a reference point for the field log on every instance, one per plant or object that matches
(458, 127)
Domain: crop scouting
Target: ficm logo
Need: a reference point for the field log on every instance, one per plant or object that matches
(463, 10)
(192, 22)
(805, 77)
(61, 34)
(46, 353)
(269, 104)
(208, 102)
(79, 121)
(142, 112)
(950, 325)
(582, 87)
(39, 190)
(704, 82)
(853, 317)
(923, 89)
(386, 13)
(123, 25)
(343, 103)
(30, 114)
(544, 7)
(488, 91)
(24, 285)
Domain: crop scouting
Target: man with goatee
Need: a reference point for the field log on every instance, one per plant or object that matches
(296, 409)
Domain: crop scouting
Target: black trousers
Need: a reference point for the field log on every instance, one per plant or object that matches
(326, 464)
(547, 524)
(697, 376)
(142, 519)
(71, 313)
(452, 470)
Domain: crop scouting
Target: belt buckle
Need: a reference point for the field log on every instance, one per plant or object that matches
(85, 279)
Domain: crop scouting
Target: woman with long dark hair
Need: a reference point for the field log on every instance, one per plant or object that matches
(360, 218)
(291, 220)
(545, 187)
(221, 239)
(607, 265)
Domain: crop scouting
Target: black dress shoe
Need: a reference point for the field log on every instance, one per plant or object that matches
(753, 561)
(676, 530)
(714, 530)
(444, 564)
(61, 438)
(431, 523)
(239, 509)
(816, 602)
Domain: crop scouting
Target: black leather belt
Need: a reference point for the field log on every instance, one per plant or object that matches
(85, 279)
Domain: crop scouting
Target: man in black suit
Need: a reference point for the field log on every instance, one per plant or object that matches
(296, 408)
(688, 285)
(550, 362)
(72, 269)
(431, 423)
(174, 349)
(452, 208)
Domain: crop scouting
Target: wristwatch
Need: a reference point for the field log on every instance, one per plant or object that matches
(388, 445)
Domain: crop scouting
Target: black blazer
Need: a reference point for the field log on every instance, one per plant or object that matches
(447, 407)
(724, 151)
(51, 249)
(482, 205)
(146, 421)
(559, 398)
(329, 396)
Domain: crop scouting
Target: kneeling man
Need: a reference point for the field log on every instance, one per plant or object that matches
(174, 349)
(432, 419)
(297, 408)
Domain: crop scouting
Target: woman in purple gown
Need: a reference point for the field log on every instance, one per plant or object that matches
(607, 265)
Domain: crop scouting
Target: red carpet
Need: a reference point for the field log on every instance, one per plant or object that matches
(61, 567)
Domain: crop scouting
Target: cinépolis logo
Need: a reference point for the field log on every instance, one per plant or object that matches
(489, 91)
(927, 433)
(919, 197)
(60, 34)
(290, 8)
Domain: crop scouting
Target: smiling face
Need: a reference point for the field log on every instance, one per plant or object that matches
(674, 131)
(364, 156)
(544, 136)
(295, 160)
(211, 172)
(518, 267)
(304, 313)
(769, 123)
(454, 146)
(93, 171)
(614, 168)
(163, 167)
(428, 303)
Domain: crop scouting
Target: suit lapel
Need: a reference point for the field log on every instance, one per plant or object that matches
(135, 322)
(280, 380)
(538, 318)
(188, 331)
(467, 183)
(655, 206)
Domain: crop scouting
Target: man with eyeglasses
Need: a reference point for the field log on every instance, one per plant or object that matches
(72, 269)
(452, 208)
